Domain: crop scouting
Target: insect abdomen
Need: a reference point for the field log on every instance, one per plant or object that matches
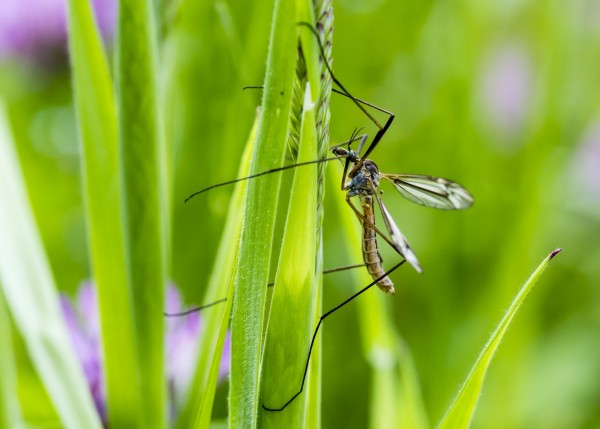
(370, 251)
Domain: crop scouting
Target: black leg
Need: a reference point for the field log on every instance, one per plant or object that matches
(321, 319)
(203, 307)
(359, 103)
(273, 170)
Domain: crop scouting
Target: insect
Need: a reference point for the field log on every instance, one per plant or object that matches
(364, 179)
(361, 178)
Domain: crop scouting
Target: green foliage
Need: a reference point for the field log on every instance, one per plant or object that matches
(101, 164)
(259, 220)
(461, 412)
(9, 406)
(29, 290)
(445, 69)
(294, 301)
(144, 168)
(199, 404)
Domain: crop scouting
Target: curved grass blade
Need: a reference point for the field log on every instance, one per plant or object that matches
(257, 233)
(293, 306)
(146, 216)
(410, 407)
(205, 409)
(460, 413)
(198, 409)
(29, 289)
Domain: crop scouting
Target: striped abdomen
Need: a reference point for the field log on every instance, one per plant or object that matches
(369, 247)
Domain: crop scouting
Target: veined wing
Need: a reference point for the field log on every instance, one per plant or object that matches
(430, 191)
(400, 243)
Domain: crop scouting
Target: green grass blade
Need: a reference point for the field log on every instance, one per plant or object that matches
(146, 221)
(198, 409)
(409, 402)
(97, 123)
(461, 411)
(10, 412)
(257, 232)
(31, 295)
(293, 306)
(206, 405)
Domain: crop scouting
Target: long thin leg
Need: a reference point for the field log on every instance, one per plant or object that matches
(273, 170)
(361, 143)
(382, 129)
(195, 309)
(321, 319)
(354, 138)
(337, 91)
(337, 82)
(205, 306)
(359, 103)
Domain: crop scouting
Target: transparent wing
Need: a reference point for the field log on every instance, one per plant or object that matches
(430, 191)
(399, 241)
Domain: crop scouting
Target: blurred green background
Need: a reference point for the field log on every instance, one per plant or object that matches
(503, 97)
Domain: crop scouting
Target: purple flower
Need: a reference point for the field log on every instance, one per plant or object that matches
(37, 31)
(505, 89)
(181, 343)
(182, 346)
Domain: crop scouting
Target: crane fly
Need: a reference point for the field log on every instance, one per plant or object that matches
(364, 179)
(361, 178)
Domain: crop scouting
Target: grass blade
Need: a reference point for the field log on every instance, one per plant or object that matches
(10, 412)
(31, 295)
(203, 417)
(257, 233)
(293, 306)
(461, 411)
(146, 221)
(409, 403)
(198, 408)
(97, 123)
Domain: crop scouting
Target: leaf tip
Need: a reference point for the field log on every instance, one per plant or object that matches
(554, 253)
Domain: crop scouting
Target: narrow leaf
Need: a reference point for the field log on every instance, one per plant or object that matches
(215, 322)
(144, 161)
(460, 413)
(10, 412)
(97, 123)
(293, 306)
(29, 289)
(257, 233)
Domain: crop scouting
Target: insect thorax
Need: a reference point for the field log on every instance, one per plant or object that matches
(359, 183)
